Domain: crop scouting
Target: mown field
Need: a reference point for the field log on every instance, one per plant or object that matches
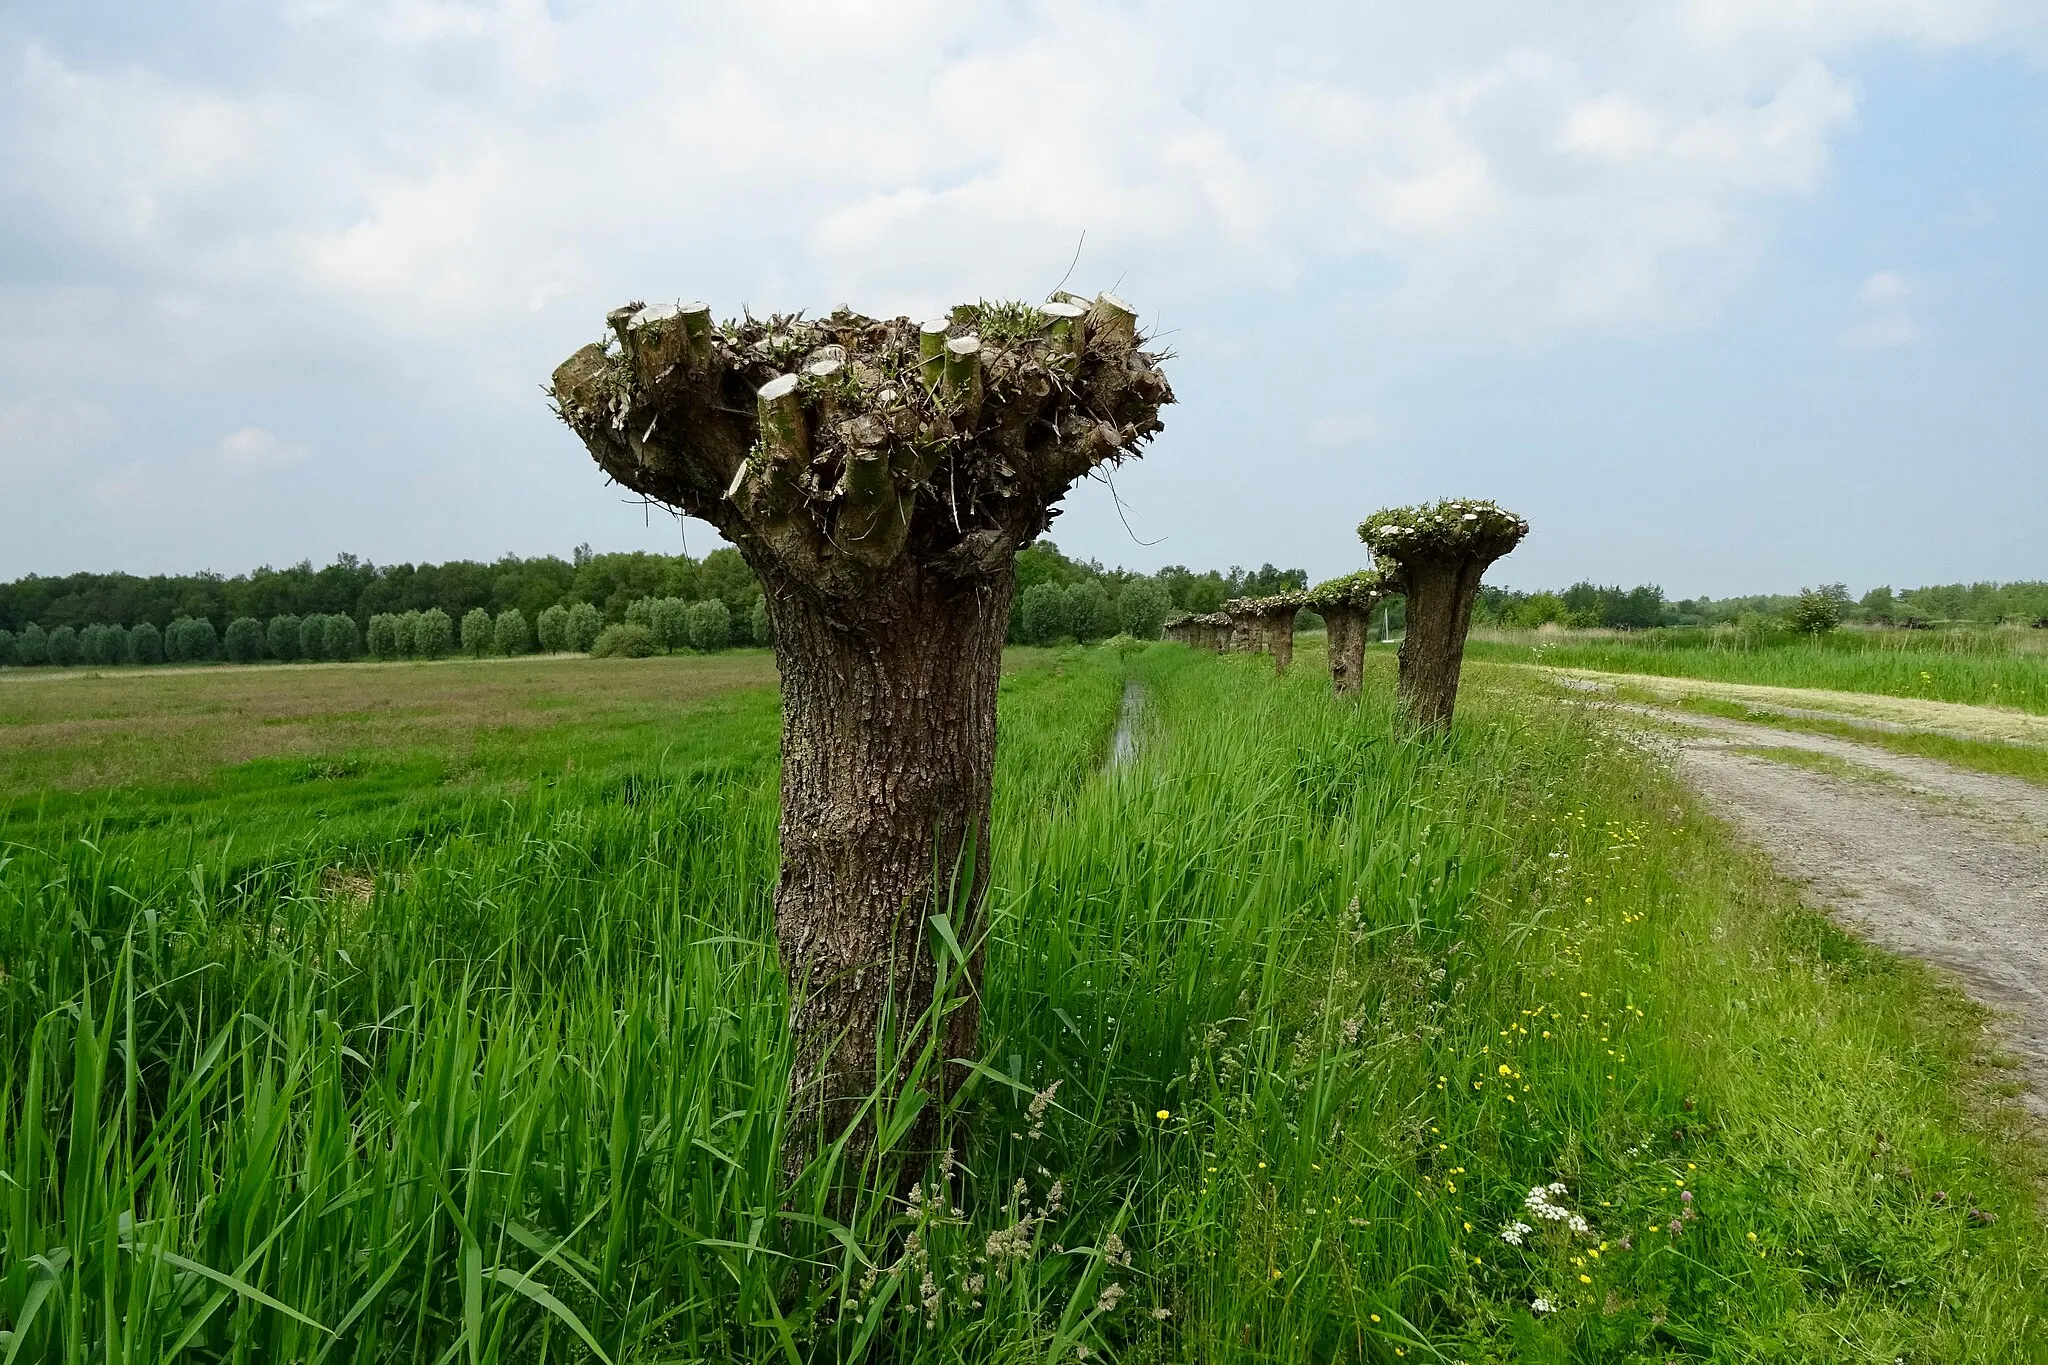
(1989, 667)
(440, 1020)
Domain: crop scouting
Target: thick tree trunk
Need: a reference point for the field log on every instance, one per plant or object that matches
(1440, 596)
(1347, 648)
(1280, 639)
(888, 752)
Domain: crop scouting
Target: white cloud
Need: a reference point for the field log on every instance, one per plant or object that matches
(1884, 287)
(257, 448)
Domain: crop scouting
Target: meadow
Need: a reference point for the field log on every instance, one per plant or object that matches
(435, 1016)
(2005, 666)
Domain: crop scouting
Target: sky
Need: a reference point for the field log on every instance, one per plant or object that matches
(1730, 296)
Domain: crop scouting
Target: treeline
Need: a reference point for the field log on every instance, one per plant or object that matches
(631, 603)
(1645, 606)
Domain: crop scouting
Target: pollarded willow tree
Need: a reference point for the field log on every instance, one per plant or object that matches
(1435, 555)
(1266, 623)
(1346, 605)
(879, 476)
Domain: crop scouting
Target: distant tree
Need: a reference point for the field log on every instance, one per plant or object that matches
(1089, 611)
(669, 619)
(1818, 610)
(1879, 605)
(32, 646)
(623, 641)
(282, 637)
(145, 644)
(101, 645)
(313, 636)
(710, 624)
(404, 627)
(509, 633)
(433, 635)
(640, 612)
(1142, 609)
(64, 646)
(341, 637)
(6, 647)
(552, 627)
(191, 640)
(382, 638)
(585, 624)
(1046, 614)
(477, 627)
(760, 627)
(244, 641)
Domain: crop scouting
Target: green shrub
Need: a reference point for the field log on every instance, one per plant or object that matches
(710, 624)
(585, 624)
(670, 621)
(6, 647)
(313, 636)
(244, 641)
(477, 629)
(623, 641)
(1819, 610)
(433, 635)
(283, 637)
(343, 639)
(1046, 614)
(552, 629)
(758, 625)
(64, 646)
(145, 644)
(380, 640)
(509, 633)
(32, 646)
(1142, 609)
(404, 627)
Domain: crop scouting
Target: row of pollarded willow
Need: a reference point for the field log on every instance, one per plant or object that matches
(879, 476)
(1433, 555)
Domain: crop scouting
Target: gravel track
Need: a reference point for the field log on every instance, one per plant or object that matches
(1919, 858)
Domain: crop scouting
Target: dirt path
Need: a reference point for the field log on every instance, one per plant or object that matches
(1918, 857)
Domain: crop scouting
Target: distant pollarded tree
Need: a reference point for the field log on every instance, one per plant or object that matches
(1142, 609)
(313, 637)
(710, 624)
(243, 643)
(433, 635)
(404, 627)
(382, 637)
(101, 645)
(145, 644)
(551, 627)
(1819, 610)
(477, 629)
(1089, 611)
(342, 638)
(283, 637)
(509, 633)
(1346, 605)
(760, 626)
(32, 646)
(191, 640)
(669, 619)
(586, 623)
(63, 647)
(1266, 624)
(1047, 613)
(1436, 555)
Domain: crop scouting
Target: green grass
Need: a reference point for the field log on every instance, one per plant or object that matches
(495, 1072)
(1983, 668)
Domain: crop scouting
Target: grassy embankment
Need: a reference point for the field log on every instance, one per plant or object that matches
(2007, 667)
(466, 1044)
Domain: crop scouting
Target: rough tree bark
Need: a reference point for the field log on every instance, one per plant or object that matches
(1346, 606)
(1435, 555)
(879, 477)
(1266, 625)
